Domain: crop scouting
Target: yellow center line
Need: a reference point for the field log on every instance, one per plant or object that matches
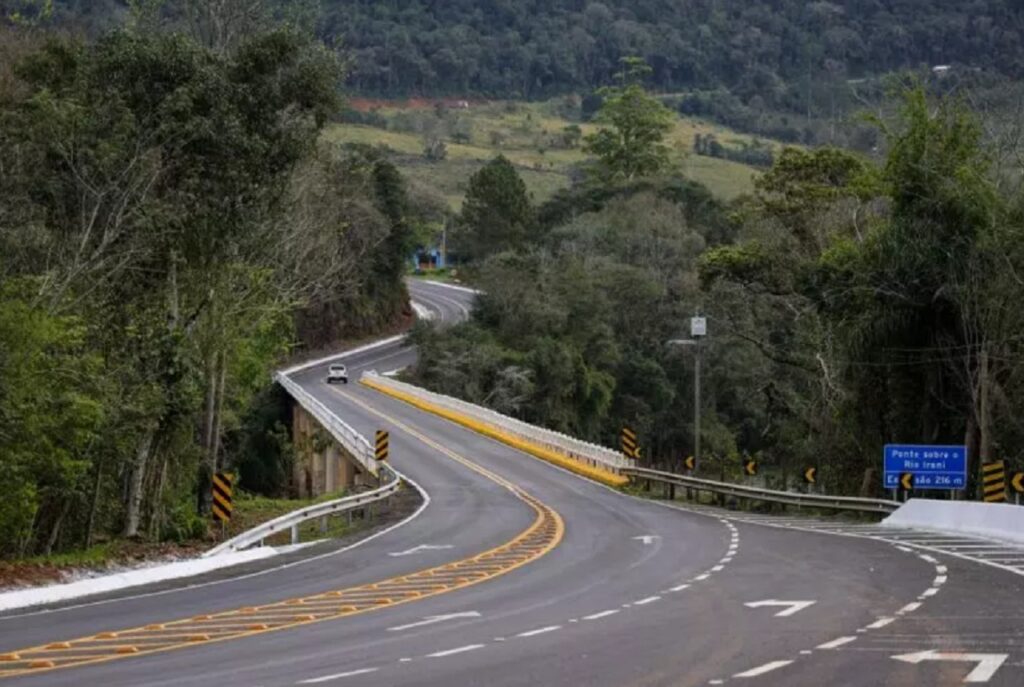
(543, 535)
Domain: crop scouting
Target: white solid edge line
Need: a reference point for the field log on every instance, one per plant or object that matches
(539, 631)
(602, 614)
(836, 643)
(458, 650)
(415, 514)
(766, 668)
(343, 354)
(464, 289)
(337, 676)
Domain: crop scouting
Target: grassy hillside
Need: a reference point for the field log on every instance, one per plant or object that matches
(531, 135)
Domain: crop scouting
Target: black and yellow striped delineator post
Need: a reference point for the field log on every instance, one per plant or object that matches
(223, 483)
(630, 446)
(382, 445)
(993, 479)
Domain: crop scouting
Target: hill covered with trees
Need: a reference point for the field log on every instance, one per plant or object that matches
(775, 67)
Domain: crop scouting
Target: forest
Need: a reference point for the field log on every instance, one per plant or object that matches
(172, 228)
(850, 302)
(786, 69)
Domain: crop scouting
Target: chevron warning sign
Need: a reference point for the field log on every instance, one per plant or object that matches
(811, 475)
(993, 478)
(690, 463)
(907, 481)
(630, 445)
(223, 483)
(750, 467)
(1017, 482)
(382, 445)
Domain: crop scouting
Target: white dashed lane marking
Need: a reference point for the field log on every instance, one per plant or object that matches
(539, 631)
(602, 614)
(337, 676)
(459, 650)
(761, 670)
(836, 643)
(644, 602)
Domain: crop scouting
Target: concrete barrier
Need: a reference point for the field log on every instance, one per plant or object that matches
(993, 520)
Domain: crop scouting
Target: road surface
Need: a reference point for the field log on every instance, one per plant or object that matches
(628, 592)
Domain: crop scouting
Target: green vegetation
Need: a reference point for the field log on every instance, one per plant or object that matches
(533, 136)
(171, 227)
(850, 304)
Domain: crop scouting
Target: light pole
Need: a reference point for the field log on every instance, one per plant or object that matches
(698, 330)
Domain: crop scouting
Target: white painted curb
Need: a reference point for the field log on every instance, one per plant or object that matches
(35, 596)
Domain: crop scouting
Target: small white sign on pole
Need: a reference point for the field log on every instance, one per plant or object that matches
(698, 326)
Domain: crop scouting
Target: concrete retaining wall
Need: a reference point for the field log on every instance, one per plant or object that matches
(994, 520)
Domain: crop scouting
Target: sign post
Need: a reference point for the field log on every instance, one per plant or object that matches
(916, 466)
(223, 503)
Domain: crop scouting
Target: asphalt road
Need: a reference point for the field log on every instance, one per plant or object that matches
(636, 592)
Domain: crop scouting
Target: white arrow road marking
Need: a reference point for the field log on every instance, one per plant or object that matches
(647, 538)
(422, 547)
(794, 606)
(432, 619)
(987, 666)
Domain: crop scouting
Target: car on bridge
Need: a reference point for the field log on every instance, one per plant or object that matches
(337, 373)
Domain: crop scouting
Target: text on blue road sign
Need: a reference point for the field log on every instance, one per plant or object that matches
(933, 467)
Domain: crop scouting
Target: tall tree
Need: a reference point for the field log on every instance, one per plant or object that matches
(497, 214)
(629, 143)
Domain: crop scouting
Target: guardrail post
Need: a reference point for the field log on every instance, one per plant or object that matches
(323, 525)
(295, 534)
(671, 491)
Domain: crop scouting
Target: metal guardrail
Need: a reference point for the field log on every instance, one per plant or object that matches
(291, 521)
(576, 449)
(351, 440)
(844, 503)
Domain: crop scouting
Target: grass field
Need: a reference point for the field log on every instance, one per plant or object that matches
(528, 134)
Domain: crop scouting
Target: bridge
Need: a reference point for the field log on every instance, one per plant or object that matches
(511, 569)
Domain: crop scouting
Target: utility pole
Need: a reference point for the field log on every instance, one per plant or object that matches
(698, 330)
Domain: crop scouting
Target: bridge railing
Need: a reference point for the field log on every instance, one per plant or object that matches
(576, 449)
(740, 491)
(349, 439)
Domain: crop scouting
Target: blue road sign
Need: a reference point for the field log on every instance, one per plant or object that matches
(933, 467)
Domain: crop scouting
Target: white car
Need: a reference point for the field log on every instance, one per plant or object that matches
(337, 373)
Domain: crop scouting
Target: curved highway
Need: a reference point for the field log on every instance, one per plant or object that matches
(622, 591)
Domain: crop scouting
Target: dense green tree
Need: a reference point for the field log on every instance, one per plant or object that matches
(166, 213)
(497, 214)
(629, 143)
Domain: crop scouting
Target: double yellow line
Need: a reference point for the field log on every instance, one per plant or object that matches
(543, 535)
